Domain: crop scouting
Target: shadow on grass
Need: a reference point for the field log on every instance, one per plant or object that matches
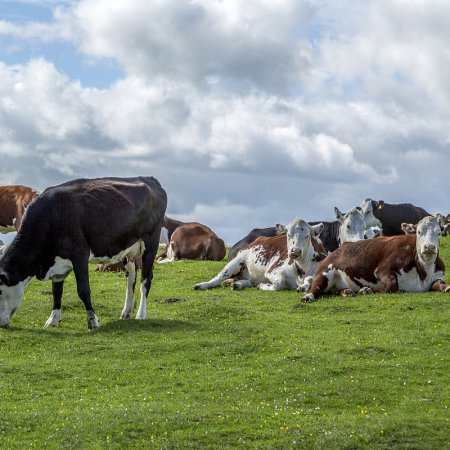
(117, 326)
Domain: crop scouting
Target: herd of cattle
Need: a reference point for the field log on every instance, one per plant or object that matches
(119, 224)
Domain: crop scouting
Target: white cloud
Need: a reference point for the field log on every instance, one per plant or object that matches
(250, 113)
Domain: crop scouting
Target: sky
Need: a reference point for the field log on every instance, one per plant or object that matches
(249, 113)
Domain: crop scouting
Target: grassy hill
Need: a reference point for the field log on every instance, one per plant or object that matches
(226, 369)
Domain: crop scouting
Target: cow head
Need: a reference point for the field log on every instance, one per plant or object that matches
(428, 233)
(298, 235)
(11, 292)
(352, 225)
(369, 208)
(408, 228)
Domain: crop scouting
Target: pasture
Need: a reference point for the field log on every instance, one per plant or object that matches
(226, 369)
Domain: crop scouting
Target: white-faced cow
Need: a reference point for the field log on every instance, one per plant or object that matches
(409, 262)
(275, 263)
(81, 221)
(347, 227)
(14, 200)
(193, 240)
(390, 217)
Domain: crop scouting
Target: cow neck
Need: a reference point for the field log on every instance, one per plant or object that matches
(424, 267)
(26, 256)
(306, 262)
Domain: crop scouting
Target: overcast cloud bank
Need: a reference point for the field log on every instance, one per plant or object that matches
(249, 113)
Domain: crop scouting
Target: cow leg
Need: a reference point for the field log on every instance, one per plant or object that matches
(440, 286)
(80, 269)
(388, 279)
(148, 259)
(231, 270)
(130, 268)
(322, 283)
(347, 292)
(238, 285)
(55, 316)
(305, 286)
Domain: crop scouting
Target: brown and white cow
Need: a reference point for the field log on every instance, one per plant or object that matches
(409, 262)
(275, 263)
(193, 240)
(14, 200)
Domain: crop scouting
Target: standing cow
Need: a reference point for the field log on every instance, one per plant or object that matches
(14, 200)
(81, 221)
(408, 263)
(391, 216)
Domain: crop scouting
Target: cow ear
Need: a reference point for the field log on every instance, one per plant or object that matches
(408, 228)
(317, 229)
(280, 229)
(380, 204)
(338, 214)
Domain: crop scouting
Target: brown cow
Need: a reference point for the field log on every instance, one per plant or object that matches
(193, 241)
(13, 201)
(386, 264)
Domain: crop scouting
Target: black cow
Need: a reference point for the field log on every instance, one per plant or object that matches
(392, 216)
(81, 221)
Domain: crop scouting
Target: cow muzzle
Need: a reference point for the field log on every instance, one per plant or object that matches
(429, 249)
(295, 253)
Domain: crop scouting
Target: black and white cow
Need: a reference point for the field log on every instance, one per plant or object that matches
(409, 262)
(275, 263)
(391, 216)
(81, 221)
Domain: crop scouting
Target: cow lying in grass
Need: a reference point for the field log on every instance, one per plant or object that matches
(275, 263)
(409, 262)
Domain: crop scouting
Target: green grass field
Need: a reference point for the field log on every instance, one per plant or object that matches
(225, 369)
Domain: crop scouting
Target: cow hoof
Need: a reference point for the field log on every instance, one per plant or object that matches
(365, 290)
(447, 289)
(125, 316)
(92, 320)
(347, 293)
(236, 286)
(199, 287)
(54, 319)
(308, 298)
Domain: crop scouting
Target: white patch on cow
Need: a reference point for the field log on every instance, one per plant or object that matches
(352, 225)
(164, 236)
(411, 282)
(10, 297)
(92, 320)
(60, 269)
(131, 278)
(142, 311)
(137, 249)
(54, 319)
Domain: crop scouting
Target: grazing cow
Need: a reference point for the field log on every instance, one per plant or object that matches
(193, 241)
(390, 216)
(13, 203)
(275, 263)
(81, 221)
(254, 234)
(387, 264)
